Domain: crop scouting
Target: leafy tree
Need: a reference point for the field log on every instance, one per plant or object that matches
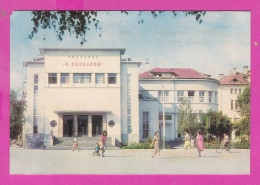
(79, 22)
(188, 119)
(17, 118)
(242, 127)
(218, 123)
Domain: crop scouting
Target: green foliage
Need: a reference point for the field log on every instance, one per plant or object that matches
(218, 123)
(141, 145)
(79, 22)
(17, 118)
(242, 127)
(242, 145)
(187, 119)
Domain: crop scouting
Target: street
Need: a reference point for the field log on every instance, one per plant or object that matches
(127, 162)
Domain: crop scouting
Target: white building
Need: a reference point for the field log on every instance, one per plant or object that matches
(82, 92)
(229, 87)
(178, 83)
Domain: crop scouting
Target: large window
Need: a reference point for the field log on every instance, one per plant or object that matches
(100, 78)
(191, 95)
(210, 96)
(82, 78)
(65, 78)
(145, 124)
(129, 111)
(180, 96)
(35, 104)
(166, 96)
(52, 78)
(202, 93)
(232, 104)
(112, 78)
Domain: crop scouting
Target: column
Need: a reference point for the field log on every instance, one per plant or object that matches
(60, 126)
(89, 125)
(75, 125)
(104, 120)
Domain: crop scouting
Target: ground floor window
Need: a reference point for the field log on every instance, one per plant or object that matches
(145, 124)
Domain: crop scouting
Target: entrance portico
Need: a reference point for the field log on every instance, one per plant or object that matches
(81, 123)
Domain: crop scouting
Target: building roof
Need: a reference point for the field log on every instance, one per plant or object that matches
(176, 72)
(43, 50)
(234, 79)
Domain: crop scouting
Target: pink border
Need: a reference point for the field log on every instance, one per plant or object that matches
(9, 6)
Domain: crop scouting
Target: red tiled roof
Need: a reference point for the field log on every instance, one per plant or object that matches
(238, 79)
(177, 72)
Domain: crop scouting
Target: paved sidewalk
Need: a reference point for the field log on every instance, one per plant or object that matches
(127, 162)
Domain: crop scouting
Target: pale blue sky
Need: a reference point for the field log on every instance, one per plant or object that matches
(220, 43)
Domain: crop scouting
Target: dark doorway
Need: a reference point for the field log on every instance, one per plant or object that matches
(67, 126)
(82, 125)
(96, 125)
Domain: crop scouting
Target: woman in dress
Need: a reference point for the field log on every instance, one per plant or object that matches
(200, 144)
(156, 141)
(187, 145)
(102, 142)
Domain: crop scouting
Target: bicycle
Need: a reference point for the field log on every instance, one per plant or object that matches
(229, 148)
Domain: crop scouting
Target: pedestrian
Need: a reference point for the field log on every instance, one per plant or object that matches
(75, 144)
(156, 141)
(102, 143)
(187, 145)
(200, 144)
(97, 148)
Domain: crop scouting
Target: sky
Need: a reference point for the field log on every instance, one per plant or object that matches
(217, 45)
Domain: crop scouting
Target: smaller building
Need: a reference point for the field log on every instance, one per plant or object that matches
(229, 88)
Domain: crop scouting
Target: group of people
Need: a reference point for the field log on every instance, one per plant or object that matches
(100, 147)
(188, 143)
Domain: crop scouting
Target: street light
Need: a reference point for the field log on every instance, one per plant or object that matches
(163, 101)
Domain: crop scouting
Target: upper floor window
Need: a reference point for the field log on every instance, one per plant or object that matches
(82, 78)
(52, 78)
(166, 96)
(180, 96)
(112, 78)
(100, 78)
(202, 93)
(65, 78)
(231, 91)
(167, 117)
(36, 79)
(240, 90)
(191, 96)
(235, 91)
(232, 104)
(210, 96)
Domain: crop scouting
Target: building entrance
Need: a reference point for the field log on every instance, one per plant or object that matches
(97, 125)
(67, 126)
(82, 125)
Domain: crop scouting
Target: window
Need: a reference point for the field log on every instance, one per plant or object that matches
(235, 91)
(231, 91)
(35, 124)
(216, 97)
(36, 89)
(52, 78)
(35, 103)
(111, 78)
(180, 96)
(129, 120)
(210, 96)
(35, 79)
(202, 93)
(240, 90)
(191, 96)
(100, 78)
(167, 117)
(65, 78)
(166, 96)
(235, 104)
(145, 124)
(82, 78)
(232, 104)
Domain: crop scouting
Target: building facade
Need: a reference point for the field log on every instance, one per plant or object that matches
(177, 83)
(83, 92)
(229, 88)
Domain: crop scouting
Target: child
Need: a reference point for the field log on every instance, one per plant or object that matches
(102, 149)
(75, 144)
(97, 148)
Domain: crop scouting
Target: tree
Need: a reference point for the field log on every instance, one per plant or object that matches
(17, 118)
(79, 22)
(218, 123)
(187, 119)
(242, 127)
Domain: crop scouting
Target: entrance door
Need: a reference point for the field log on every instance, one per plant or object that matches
(67, 126)
(97, 125)
(82, 125)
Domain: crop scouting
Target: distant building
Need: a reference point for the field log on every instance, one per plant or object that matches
(229, 87)
(178, 83)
